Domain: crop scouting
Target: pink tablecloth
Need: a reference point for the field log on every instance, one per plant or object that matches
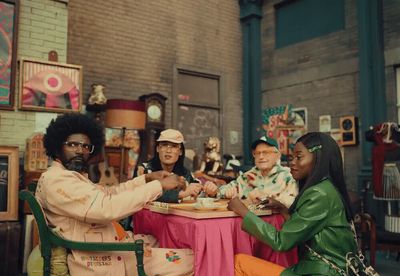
(214, 241)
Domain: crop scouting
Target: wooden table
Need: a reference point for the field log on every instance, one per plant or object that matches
(189, 209)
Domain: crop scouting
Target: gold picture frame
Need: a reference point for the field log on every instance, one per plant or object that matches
(9, 175)
(50, 86)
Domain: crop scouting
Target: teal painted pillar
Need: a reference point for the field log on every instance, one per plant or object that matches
(250, 17)
(372, 91)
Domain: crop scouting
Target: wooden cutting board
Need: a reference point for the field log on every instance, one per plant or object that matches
(190, 210)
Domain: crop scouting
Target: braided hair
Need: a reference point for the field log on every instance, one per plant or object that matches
(327, 164)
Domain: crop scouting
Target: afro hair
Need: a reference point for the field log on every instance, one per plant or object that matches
(71, 123)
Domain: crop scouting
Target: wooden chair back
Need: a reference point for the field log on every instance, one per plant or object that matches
(50, 239)
(374, 238)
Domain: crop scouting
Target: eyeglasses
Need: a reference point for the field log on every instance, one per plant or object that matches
(171, 146)
(264, 153)
(86, 148)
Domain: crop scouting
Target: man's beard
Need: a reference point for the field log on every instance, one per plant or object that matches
(77, 164)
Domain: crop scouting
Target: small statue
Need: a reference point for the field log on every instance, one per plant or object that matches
(97, 95)
(211, 159)
(97, 102)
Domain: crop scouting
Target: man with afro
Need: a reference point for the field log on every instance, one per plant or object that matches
(84, 211)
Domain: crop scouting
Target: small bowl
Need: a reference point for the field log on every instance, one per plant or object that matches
(205, 202)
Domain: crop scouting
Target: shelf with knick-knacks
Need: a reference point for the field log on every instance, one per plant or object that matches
(122, 150)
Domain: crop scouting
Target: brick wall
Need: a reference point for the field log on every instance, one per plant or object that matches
(132, 47)
(320, 74)
(42, 28)
(391, 15)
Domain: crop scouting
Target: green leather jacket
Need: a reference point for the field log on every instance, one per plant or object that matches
(319, 219)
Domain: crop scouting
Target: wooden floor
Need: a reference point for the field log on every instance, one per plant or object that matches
(386, 264)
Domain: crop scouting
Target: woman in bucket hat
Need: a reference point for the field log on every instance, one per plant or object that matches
(170, 157)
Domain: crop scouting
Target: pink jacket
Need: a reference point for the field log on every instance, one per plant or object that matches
(84, 211)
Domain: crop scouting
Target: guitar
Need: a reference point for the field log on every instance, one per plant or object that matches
(107, 176)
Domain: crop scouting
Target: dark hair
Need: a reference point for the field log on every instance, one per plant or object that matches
(72, 123)
(327, 164)
(179, 167)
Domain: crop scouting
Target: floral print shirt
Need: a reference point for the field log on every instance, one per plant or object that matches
(278, 184)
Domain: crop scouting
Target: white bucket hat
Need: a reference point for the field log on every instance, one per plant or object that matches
(171, 135)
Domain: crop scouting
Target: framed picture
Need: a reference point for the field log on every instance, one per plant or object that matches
(325, 123)
(8, 51)
(50, 86)
(301, 117)
(9, 175)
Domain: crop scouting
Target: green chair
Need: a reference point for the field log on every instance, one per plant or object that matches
(50, 239)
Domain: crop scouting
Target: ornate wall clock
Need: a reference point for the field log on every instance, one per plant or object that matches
(155, 111)
(155, 122)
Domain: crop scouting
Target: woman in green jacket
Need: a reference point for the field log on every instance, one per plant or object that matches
(318, 221)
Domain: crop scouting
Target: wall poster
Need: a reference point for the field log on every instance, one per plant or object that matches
(50, 86)
(8, 50)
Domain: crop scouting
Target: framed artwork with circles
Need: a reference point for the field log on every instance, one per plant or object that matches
(50, 86)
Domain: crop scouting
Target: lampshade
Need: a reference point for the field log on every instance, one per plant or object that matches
(125, 113)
